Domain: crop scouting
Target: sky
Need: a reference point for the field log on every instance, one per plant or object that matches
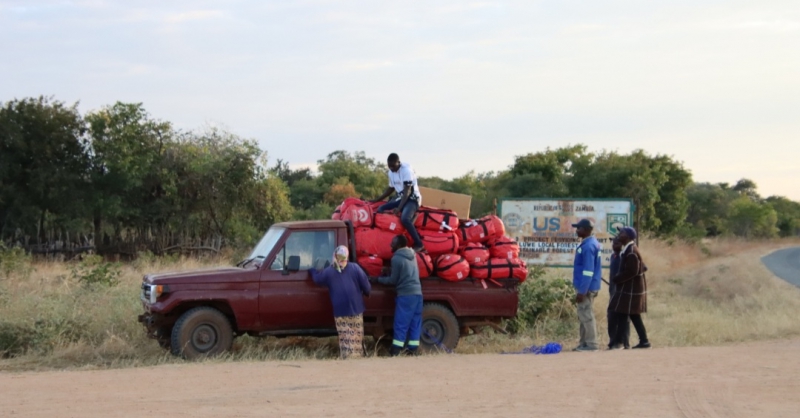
(451, 86)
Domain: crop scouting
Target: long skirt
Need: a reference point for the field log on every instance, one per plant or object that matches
(351, 335)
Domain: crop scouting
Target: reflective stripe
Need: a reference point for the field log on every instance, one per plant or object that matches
(588, 273)
(413, 343)
(398, 343)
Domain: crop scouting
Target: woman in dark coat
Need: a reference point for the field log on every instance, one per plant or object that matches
(630, 298)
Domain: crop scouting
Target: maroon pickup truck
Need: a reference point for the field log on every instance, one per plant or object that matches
(199, 313)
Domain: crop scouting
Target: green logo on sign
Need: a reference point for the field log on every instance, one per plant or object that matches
(614, 221)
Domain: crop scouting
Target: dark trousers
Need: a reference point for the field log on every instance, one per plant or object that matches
(619, 329)
(638, 324)
(406, 217)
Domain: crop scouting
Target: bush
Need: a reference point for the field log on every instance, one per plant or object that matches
(14, 261)
(540, 297)
(14, 339)
(93, 271)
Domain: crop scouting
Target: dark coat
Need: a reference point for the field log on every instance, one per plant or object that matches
(630, 296)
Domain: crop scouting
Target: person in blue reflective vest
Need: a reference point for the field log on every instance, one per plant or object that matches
(586, 275)
(408, 304)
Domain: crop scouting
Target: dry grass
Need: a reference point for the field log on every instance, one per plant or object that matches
(713, 293)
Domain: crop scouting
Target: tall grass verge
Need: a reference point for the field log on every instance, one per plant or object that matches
(712, 292)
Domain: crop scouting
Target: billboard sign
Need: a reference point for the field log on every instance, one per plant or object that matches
(543, 227)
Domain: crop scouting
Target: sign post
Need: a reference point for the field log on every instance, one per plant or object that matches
(543, 227)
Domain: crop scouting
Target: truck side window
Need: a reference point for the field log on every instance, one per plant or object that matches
(309, 245)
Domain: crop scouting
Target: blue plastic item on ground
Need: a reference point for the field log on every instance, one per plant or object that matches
(549, 348)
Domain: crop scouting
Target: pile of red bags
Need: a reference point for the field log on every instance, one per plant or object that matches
(455, 249)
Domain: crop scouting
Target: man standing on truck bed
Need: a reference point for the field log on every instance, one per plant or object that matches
(408, 304)
(403, 181)
(586, 276)
(346, 282)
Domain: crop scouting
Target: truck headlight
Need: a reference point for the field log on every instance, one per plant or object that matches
(151, 292)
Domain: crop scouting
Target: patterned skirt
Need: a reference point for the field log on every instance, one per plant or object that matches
(351, 334)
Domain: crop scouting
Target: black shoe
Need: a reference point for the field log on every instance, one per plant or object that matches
(395, 351)
(642, 345)
(615, 347)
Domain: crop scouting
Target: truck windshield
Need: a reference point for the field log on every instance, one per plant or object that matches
(264, 246)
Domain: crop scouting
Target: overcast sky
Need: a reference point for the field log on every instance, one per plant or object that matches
(450, 86)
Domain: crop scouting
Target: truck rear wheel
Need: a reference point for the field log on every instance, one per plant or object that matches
(439, 328)
(200, 332)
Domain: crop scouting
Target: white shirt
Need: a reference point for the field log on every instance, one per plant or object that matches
(405, 175)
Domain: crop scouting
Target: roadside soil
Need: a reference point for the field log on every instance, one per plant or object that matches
(744, 380)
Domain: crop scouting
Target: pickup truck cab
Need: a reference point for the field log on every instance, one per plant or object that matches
(198, 313)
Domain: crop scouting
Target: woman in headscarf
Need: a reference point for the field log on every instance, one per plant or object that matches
(346, 283)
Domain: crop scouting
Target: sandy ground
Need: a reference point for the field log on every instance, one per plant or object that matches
(747, 380)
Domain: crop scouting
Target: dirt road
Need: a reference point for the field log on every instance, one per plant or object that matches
(750, 380)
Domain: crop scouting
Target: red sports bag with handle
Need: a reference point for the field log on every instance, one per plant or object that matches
(433, 219)
(504, 247)
(374, 241)
(479, 230)
(388, 222)
(371, 264)
(425, 265)
(438, 243)
(356, 211)
(497, 225)
(337, 213)
(500, 268)
(452, 267)
(475, 253)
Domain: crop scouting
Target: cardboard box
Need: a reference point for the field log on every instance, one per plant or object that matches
(459, 203)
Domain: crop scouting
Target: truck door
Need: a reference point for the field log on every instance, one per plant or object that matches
(291, 300)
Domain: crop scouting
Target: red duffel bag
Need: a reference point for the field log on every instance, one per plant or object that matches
(372, 265)
(452, 267)
(425, 265)
(374, 241)
(388, 222)
(497, 225)
(433, 219)
(438, 243)
(500, 268)
(356, 211)
(376, 205)
(337, 213)
(475, 253)
(504, 247)
(479, 231)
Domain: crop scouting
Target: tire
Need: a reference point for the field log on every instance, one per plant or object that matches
(201, 332)
(439, 327)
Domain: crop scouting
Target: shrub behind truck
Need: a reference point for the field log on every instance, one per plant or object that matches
(198, 313)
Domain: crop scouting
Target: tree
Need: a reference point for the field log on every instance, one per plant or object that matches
(367, 176)
(657, 185)
(751, 219)
(43, 163)
(128, 173)
(788, 213)
(547, 174)
(708, 207)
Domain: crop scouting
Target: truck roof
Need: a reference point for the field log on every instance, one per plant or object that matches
(326, 223)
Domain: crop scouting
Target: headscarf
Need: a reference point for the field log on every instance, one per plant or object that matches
(340, 255)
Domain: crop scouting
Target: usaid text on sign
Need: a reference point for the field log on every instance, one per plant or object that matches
(543, 227)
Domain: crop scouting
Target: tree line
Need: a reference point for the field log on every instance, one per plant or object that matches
(121, 181)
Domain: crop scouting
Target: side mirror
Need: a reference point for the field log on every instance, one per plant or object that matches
(294, 263)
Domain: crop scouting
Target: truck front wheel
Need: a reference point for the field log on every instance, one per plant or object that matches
(201, 331)
(439, 328)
